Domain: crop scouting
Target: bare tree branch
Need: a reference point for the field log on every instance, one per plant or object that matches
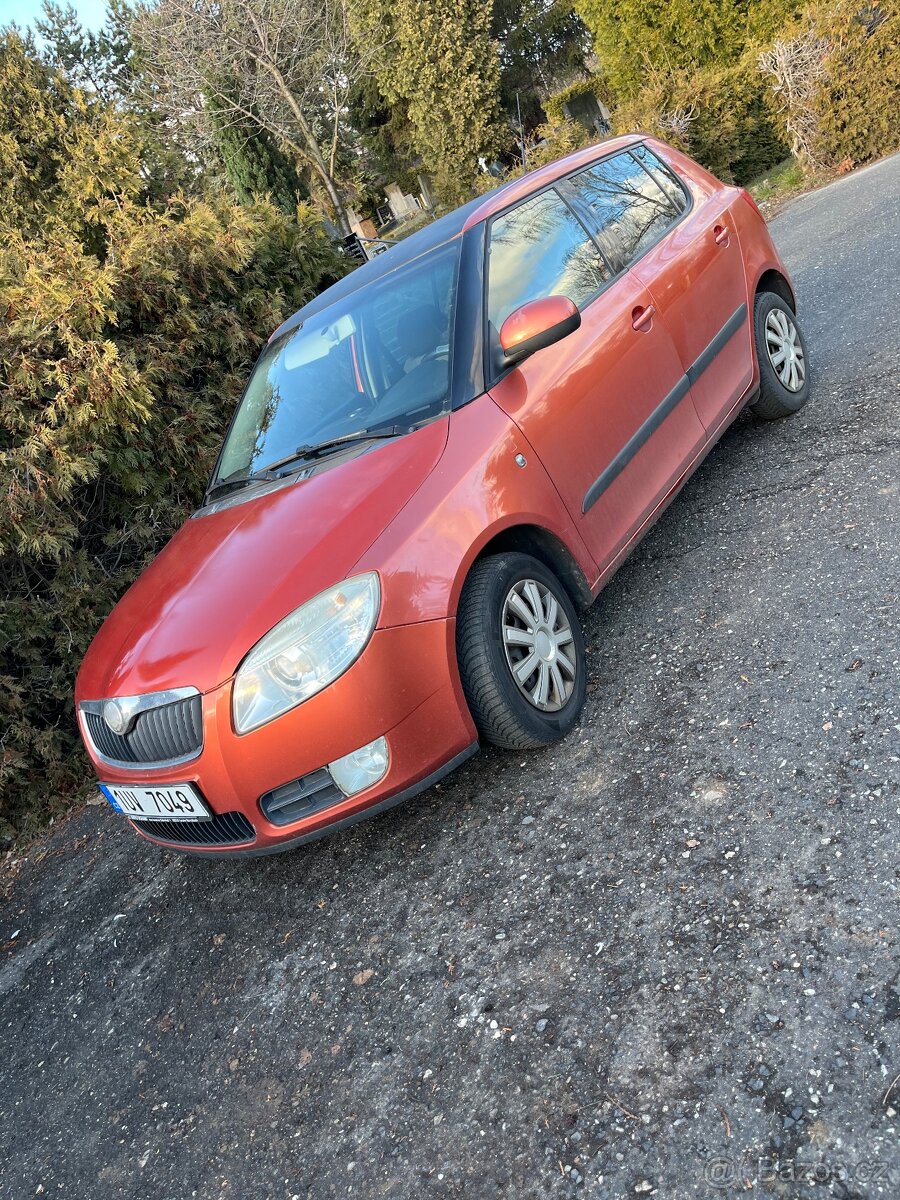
(679, 121)
(287, 66)
(797, 68)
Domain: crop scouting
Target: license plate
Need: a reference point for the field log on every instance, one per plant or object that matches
(169, 802)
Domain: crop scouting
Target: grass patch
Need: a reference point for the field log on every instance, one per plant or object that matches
(782, 179)
(784, 182)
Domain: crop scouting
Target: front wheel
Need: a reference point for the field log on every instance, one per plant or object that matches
(521, 652)
(782, 356)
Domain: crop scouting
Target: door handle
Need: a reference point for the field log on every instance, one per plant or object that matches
(721, 233)
(641, 317)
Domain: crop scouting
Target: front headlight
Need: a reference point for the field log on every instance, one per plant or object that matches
(305, 652)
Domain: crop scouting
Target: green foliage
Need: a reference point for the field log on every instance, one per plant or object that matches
(383, 128)
(536, 45)
(767, 19)
(596, 85)
(637, 38)
(721, 116)
(541, 45)
(128, 332)
(34, 102)
(100, 61)
(859, 101)
(104, 67)
(440, 65)
(688, 71)
(782, 180)
(254, 163)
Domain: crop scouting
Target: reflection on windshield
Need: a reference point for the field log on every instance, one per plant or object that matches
(380, 356)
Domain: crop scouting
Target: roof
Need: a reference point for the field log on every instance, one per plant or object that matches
(446, 228)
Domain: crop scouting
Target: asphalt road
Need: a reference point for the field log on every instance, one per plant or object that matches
(658, 959)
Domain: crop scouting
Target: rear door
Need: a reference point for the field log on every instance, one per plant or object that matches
(607, 409)
(696, 278)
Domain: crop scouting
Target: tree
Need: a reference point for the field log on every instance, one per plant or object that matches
(639, 40)
(635, 37)
(34, 102)
(383, 129)
(857, 102)
(254, 163)
(440, 64)
(285, 66)
(94, 61)
(719, 115)
(543, 46)
(104, 65)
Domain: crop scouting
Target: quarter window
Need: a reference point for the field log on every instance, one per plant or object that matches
(663, 176)
(540, 249)
(630, 206)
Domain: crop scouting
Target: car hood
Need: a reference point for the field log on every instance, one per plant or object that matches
(228, 576)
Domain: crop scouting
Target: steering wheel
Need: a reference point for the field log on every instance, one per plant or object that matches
(432, 355)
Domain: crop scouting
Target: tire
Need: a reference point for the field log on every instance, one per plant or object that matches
(778, 398)
(508, 713)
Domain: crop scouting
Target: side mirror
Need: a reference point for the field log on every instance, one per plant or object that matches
(535, 325)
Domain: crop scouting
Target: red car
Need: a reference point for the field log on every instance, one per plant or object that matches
(434, 466)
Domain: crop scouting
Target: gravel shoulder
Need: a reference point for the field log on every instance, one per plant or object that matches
(660, 958)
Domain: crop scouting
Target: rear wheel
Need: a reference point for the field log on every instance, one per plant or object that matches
(783, 361)
(521, 652)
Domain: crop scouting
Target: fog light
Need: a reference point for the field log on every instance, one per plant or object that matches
(362, 769)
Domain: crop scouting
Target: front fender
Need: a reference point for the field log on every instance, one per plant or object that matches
(475, 492)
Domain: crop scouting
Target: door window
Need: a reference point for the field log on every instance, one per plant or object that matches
(540, 249)
(630, 206)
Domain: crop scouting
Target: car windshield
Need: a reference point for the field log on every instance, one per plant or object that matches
(378, 358)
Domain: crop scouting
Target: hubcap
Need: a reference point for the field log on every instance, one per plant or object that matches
(784, 350)
(539, 647)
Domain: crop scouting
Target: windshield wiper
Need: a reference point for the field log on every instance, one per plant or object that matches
(236, 481)
(303, 453)
(314, 450)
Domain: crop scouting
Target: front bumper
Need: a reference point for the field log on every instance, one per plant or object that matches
(404, 687)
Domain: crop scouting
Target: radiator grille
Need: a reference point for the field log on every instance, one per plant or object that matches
(158, 735)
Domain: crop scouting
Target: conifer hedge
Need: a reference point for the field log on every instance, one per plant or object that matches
(129, 323)
(858, 104)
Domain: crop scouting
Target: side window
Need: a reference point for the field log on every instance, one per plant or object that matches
(630, 206)
(663, 175)
(540, 249)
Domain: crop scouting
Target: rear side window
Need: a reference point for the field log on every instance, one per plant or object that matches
(663, 176)
(630, 206)
(540, 249)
